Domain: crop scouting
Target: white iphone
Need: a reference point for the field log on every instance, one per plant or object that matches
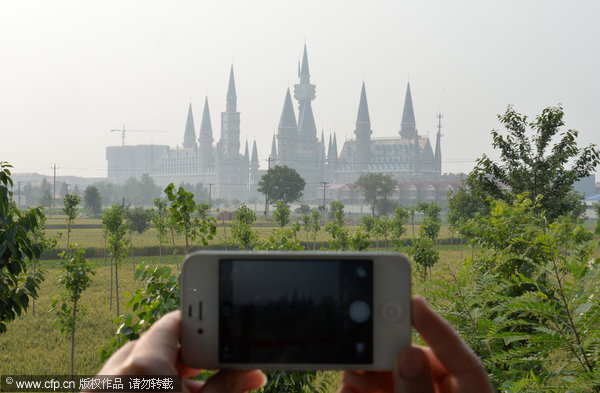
(294, 310)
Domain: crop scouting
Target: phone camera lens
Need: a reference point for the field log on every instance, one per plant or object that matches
(359, 311)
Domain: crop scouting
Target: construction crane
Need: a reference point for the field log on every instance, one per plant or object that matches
(123, 131)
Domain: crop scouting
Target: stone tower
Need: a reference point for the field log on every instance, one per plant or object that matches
(230, 123)
(363, 133)
(304, 91)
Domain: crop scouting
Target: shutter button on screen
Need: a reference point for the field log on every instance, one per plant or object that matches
(392, 311)
(359, 311)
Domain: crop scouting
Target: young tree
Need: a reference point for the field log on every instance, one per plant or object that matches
(548, 163)
(398, 222)
(75, 278)
(281, 215)
(160, 220)
(337, 228)
(431, 223)
(17, 243)
(93, 201)
(138, 220)
(383, 227)
(315, 225)
(281, 184)
(71, 201)
(114, 223)
(241, 228)
(425, 255)
(376, 187)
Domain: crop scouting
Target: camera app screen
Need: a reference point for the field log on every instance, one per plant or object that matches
(309, 311)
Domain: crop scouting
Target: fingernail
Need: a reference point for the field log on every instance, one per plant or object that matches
(410, 363)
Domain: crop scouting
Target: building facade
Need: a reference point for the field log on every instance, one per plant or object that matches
(408, 157)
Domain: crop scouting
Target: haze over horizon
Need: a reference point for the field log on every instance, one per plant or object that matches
(71, 71)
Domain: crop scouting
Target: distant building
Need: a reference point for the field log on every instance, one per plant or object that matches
(409, 157)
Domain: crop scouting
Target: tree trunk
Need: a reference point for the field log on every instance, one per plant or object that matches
(117, 280)
(105, 237)
(73, 339)
(159, 251)
(173, 252)
(132, 256)
(111, 283)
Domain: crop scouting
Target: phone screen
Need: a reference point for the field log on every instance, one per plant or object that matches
(296, 311)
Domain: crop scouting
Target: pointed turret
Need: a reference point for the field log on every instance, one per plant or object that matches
(334, 147)
(288, 117)
(329, 147)
(254, 165)
(206, 139)
(206, 135)
(363, 108)
(408, 128)
(304, 72)
(322, 155)
(254, 158)
(274, 148)
(189, 136)
(246, 153)
(306, 123)
(231, 94)
(438, 146)
(304, 91)
(230, 123)
(363, 133)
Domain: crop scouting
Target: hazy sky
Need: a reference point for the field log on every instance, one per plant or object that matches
(72, 70)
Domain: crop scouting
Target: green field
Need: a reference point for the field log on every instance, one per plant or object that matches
(32, 345)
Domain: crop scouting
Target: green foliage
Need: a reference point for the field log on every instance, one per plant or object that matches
(315, 225)
(93, 201)
(431, 225)
(158, 295)
(337, 228)
(528, 305)
(139, 219)
(71, 201)
(281, 214)
(376, 187)
(383, 228)
(463, 206)
(74, 278)
(398, 223)
(284, 381)
(160, 218)
(424, 254)
(281, 184)
(303, 210)
(535, 165)
(241, 228)
(190, 218)
(113, 222)
(18, 244)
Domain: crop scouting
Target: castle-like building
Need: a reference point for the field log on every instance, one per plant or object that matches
(231, 174)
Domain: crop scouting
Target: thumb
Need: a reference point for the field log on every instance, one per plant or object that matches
(412, 372)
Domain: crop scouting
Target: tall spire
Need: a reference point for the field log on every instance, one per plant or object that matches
(363, 133)
(231, 94)
(206, 126)
(334, 146)
(254, 158)
(274, 148)
(246, 154)
(205, 139)
(329, 147)
(304, 72)
(438, 146)
(304, 91)
(306, 122)
(288, 118)
(408, 128)
(189, 136)
(363, 108)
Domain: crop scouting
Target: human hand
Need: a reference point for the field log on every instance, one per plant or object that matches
(157, 353)
(448, 365)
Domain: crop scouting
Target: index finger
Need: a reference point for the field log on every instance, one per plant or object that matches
(444, 341)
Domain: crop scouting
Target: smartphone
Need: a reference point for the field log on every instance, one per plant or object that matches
(294, 310)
